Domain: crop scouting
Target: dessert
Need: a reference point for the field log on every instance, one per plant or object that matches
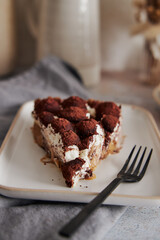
(76, 133)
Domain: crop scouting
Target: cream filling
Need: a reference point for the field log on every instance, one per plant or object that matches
(55, 140)
(99, 130)
(80, 174)
(88, 115)
(72, 154)
(84, 154)
(116, 133)
(92, 111)
(98, 140)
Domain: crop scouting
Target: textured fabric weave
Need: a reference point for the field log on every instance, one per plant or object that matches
(33, 219)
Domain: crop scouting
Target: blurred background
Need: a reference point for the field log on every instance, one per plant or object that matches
(93, 35)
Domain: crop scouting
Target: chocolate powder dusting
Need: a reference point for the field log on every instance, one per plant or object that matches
(48, 104)
(84, 143)
(107, 108)
(86, 128)
(61, 124)
(74, 101)
(46, 117)
(69, 169)
(73, 114)
(89, 174)
(93, 103)
(109, 122)
(70, 138)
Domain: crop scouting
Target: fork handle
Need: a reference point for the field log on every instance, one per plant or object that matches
(77, 221)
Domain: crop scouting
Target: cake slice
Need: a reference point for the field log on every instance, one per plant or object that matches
(76, 133)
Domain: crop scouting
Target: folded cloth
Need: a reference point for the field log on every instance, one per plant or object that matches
(33, 219)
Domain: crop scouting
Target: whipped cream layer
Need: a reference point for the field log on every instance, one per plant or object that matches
(115, 136)
(54, 140)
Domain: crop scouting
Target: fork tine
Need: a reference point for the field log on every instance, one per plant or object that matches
(128, 159)
(140, 163)
(134, 161)
(146, 165)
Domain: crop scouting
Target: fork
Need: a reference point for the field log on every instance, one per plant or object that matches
(126, 174)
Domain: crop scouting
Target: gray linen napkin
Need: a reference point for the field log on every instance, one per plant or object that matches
(32, 219)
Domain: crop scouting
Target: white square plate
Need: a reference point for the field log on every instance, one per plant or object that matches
(23, 175)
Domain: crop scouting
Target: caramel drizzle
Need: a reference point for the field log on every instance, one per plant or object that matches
(46, 160)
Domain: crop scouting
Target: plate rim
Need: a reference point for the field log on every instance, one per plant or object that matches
(155, 94)
(14, 189)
